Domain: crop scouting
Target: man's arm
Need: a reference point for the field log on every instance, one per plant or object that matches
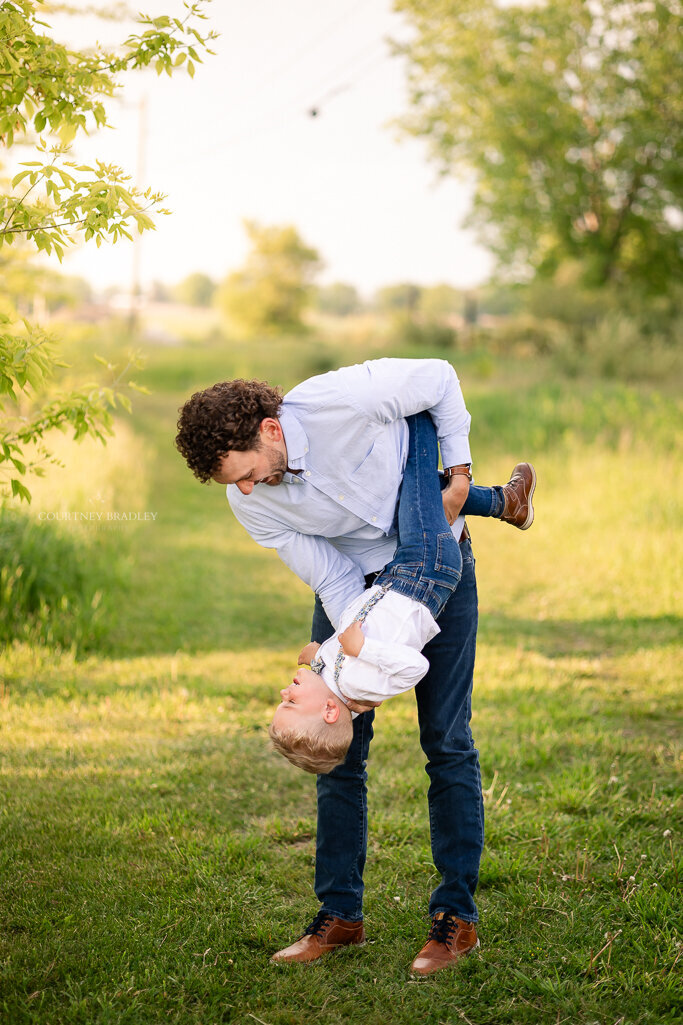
(390, 389)
(332, 575)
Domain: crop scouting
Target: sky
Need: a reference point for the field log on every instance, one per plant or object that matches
(238, 141)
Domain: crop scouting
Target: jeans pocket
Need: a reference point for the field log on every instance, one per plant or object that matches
(407, 570)
(467, 553)
(448, 559)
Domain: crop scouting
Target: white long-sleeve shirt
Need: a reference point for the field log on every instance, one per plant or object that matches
(333, 521)
(390, 661)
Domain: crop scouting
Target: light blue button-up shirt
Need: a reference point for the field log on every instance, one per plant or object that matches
(332, 521)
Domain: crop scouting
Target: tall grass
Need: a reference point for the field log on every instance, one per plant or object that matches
(51, 586)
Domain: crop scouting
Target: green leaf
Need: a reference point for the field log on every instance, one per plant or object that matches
(18, 489)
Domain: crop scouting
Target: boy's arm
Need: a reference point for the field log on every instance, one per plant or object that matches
(307, 653)
(402, 665)
(405, 666)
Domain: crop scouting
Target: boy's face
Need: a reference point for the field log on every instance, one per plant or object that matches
(306, 697)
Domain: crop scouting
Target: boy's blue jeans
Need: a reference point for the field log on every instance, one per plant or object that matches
(427, 564)
(456, 811)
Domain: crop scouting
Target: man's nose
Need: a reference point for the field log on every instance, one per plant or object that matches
(246, 486)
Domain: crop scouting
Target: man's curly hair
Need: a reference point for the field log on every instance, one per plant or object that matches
(222, 419)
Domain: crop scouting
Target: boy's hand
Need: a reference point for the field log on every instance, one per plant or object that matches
(307, 653)
(454, 496)
(361, 706)
(352, 639)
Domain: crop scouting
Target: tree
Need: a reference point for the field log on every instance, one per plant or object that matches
(270, 294)
(49, 94)
(569, 114)
(195, 290)
(339, 299)
(440, 300)
(405, 296)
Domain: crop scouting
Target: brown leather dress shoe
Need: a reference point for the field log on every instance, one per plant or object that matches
(449, 939)
(324, 934)
(518, 493)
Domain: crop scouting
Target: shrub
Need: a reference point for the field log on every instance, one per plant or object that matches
(621, 347)
(428, 334)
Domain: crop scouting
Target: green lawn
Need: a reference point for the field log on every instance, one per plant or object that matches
(154, 852)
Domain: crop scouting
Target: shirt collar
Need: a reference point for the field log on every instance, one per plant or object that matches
(295, 437)
(327, 673)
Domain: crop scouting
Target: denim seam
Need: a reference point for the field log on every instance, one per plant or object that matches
(362, 822)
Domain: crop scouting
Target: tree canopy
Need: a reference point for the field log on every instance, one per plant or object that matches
(196, 289)
(569, 115)
(273, 289)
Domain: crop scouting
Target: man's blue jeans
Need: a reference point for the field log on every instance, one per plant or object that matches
(456, 812)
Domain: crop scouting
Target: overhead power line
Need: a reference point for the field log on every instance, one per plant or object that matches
(308, 101)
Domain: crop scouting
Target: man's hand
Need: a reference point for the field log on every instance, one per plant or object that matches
(307, 653)
(361, 706)
(454, 496)
(352, 639)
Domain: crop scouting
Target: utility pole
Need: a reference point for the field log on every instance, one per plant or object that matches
(140, 172)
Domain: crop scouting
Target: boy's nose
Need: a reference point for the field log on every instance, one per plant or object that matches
(246, 486)
(284, 692)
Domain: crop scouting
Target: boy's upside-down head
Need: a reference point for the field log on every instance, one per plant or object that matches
(311, 727)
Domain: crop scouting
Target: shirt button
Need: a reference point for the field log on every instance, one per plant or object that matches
(340, 497)
(374, 519)
(306, 448)
(308, 473)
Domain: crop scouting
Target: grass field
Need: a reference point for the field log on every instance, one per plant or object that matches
(154, 852)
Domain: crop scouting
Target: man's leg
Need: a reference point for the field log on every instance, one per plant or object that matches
(341, 841)
(456, 809)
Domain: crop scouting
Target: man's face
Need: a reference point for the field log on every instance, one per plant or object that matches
(307, 697)
(264, 464)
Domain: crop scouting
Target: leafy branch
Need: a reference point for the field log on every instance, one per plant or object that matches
(49, 93)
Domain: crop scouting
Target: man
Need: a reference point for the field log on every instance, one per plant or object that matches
(332, 454)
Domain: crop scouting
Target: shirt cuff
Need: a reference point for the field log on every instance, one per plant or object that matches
(455, 451)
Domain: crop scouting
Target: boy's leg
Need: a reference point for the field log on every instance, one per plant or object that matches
(484, 502)
(427, 564)
(512, 503)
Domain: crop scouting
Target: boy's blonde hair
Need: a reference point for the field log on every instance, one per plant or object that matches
(318, 747)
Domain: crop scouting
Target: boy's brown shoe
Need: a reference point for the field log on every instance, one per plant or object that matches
(518, 493)
(324, 934)
(449, 939)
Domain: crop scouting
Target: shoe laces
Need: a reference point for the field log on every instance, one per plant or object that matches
(443, 927)
(320, 924)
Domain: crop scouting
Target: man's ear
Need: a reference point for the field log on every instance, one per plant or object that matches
(331, 711)
(270, 429)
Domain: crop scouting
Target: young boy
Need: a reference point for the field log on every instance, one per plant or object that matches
(376, 652)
